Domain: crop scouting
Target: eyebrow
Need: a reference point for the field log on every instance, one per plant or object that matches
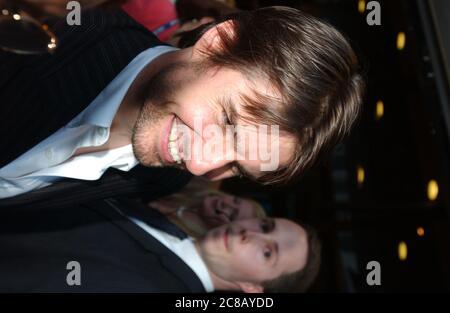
(277, 248)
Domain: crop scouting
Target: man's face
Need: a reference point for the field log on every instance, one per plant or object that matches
(254, 250)
(185, 120)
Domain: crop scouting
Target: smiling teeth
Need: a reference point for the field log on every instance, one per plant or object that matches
(173, 147)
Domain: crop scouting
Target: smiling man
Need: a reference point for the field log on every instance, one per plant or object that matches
(112, 97)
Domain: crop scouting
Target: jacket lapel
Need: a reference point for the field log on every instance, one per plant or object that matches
(168, 259)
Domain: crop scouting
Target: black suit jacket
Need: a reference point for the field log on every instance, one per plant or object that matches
(114, 254)
(40, 94)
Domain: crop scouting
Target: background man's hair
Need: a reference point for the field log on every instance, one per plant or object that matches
(302, 279)
(311, 65)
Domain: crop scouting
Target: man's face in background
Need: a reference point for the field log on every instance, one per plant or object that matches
(254, 250)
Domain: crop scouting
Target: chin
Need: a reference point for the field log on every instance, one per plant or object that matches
(142, 152)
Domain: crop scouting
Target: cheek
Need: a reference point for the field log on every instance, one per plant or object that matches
(211, 245)
(199, 128)
(197, 110)
(193, 104)
(246, 263)
(247, 212)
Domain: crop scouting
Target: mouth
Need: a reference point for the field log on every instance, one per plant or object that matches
(170, 146)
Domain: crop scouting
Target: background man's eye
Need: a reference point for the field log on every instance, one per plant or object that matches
(265, 227)
(267, 253)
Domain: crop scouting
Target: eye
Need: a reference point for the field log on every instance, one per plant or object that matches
(267, 253)
(265, 226)
(236, 200)
(226, 118)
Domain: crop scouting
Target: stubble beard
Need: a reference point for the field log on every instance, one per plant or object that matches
(144, 138)
(156, 98)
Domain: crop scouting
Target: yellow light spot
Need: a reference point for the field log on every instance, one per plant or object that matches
(432, 190)
(361, 6)
(379, 110)
(402, 251)
(401, 40)
(16, 17)
(360, 175)
(420, 231)
(44, 26)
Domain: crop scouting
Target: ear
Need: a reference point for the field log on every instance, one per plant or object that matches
(211, 39)
(250, 287)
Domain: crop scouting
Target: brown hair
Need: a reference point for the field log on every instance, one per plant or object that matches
(302, 279)
(311, 65)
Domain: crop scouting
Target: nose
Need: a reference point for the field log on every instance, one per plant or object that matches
(214, 166)
(203, 166)
(210, 154)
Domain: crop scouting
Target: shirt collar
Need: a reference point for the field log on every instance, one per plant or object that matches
(184, 249)
(192, 258)
(102, 110)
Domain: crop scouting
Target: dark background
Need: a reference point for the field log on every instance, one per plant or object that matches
(399, 152)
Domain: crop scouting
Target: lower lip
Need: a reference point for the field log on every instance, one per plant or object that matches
(164, 147)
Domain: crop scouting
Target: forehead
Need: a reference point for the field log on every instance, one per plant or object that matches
(292, 245)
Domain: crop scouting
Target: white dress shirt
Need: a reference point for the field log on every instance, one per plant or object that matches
(52, 159)
(184, 249)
